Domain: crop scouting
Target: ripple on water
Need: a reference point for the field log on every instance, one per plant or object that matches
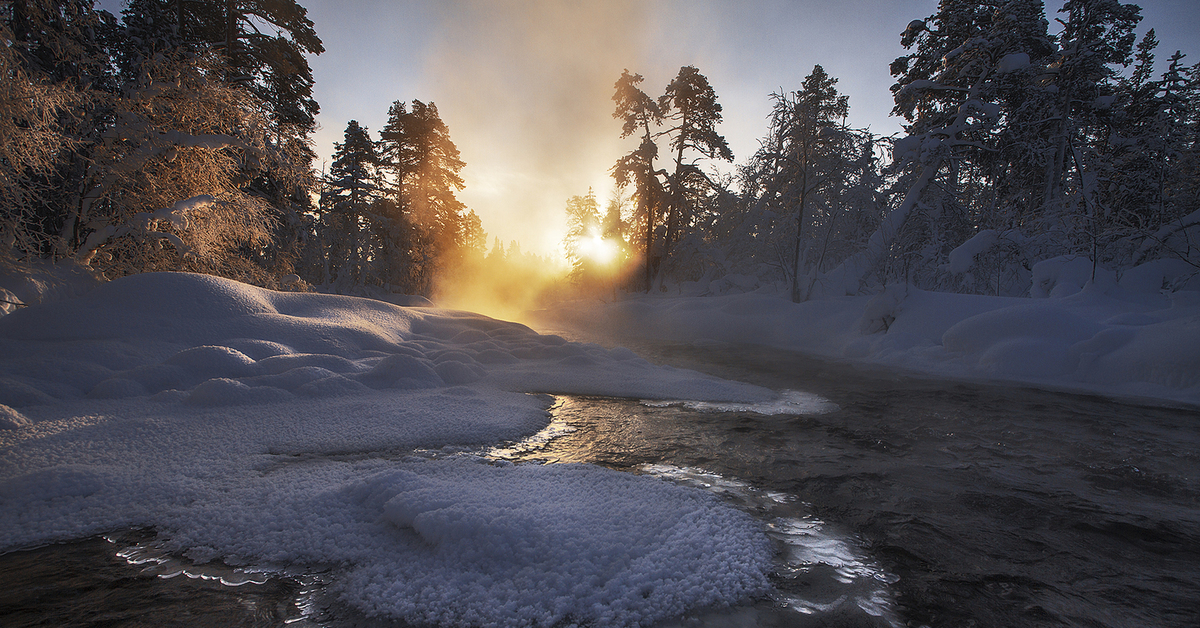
(789, 402)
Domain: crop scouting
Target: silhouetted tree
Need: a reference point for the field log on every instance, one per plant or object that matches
(691, 112)
(639, 114)
(424, 165)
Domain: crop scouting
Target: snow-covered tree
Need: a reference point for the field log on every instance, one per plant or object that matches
(690, 113)
(263, 43)
(149, 130)
(972, 65)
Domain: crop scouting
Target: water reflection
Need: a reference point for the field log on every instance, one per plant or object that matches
(121, 579)
(819, 572)
(821, 575)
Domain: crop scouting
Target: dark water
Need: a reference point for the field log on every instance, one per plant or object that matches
(992, 506)
(914, 503)
(110, 581)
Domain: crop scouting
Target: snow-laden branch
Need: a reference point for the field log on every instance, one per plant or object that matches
(145, 223)
(931, 149)
(1160, 237)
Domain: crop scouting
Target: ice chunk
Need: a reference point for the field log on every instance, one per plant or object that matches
(789, 402)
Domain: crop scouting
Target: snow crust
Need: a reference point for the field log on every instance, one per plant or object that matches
(1129, 336)
(281, 430)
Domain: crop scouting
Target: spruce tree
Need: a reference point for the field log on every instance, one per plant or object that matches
(351, 188)
(424, 165)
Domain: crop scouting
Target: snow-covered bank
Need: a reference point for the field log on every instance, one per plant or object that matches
(286, 429)
(1118, 341)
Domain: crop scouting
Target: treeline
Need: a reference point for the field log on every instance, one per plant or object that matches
(388, 217)
(178, 138)
(1022, 145)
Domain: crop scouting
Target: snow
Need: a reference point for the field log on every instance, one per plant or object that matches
(1129, 338)
(1067, 275)
(1012, 62)
(291, 431)
(962, 258)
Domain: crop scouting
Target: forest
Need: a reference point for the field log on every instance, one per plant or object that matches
(178, 137)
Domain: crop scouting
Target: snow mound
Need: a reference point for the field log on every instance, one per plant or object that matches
(229, 343)
(552, 543)
(10, 419)
(1064, 276)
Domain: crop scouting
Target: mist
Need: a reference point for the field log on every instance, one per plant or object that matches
(526, 88)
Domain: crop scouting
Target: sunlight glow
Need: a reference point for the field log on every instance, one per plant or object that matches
(597, 249)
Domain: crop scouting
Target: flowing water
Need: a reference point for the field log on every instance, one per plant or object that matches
(894, 501)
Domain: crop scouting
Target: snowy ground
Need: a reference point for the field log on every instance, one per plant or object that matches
(1124, 338)
(283, 429)
(317, 431)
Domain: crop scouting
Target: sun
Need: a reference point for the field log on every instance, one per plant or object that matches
(597, 249)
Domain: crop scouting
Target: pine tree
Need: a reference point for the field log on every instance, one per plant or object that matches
(639, 113)
(351, 189)
(144, 159)
(1097, 34)
(270, 65)
(424, 165)
(973, 65)
(807, 128)
(690, 110)
(583, 226)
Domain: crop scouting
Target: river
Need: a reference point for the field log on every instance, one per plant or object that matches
(894, 501)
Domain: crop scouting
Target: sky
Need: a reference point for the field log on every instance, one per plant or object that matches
(525, 86)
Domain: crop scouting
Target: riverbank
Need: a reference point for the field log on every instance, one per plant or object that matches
(1136, 345)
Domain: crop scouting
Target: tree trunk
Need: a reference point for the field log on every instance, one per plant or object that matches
(796, 258)
(230, 37)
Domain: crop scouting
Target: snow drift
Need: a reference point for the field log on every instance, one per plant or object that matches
(1125, 338)
(287, 430)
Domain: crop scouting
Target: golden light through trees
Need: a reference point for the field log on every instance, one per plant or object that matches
(596, 249)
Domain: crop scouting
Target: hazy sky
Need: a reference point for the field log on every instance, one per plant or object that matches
(525, 86)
